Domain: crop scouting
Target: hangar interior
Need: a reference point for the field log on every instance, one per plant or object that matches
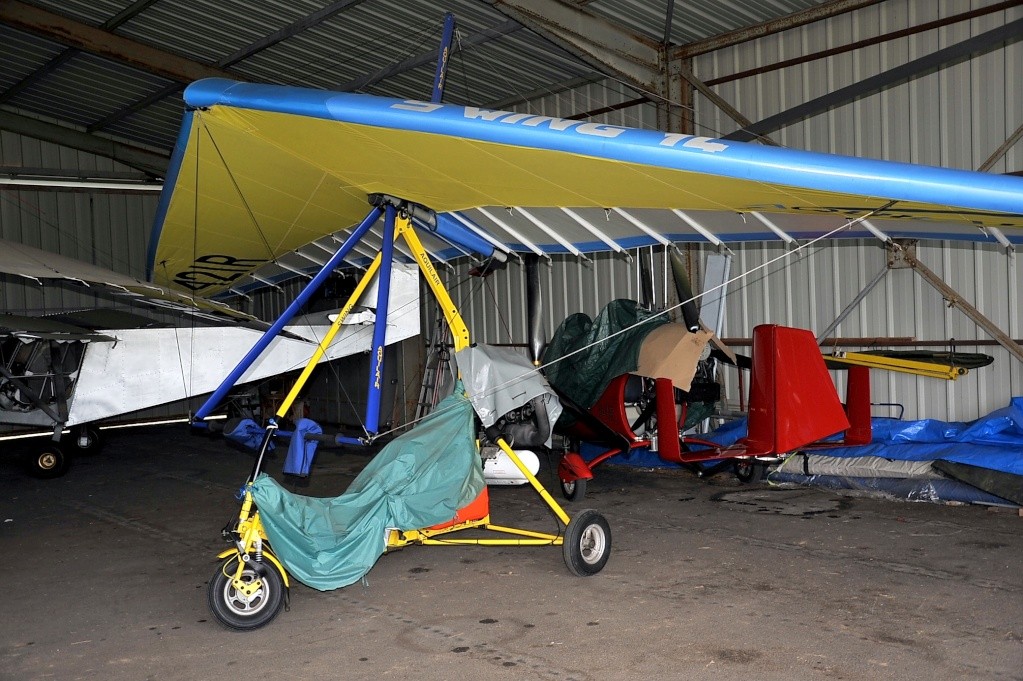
(91, 95)
(91, 110)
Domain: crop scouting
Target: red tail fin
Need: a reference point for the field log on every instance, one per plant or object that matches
(793, 400)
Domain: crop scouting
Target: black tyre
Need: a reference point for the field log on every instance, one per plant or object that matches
(575, 490)
(236, 610)
(85, 439)
(48, 461)
(587, 543)
(749, 471)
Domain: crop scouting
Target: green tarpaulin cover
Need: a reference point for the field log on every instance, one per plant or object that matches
(614, 339)
(417, 480)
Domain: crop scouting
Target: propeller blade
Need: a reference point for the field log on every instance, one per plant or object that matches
(690, 312)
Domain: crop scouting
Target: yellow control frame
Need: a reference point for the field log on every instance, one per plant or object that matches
(250, 528)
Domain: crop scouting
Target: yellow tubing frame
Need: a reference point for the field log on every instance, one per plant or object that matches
(402, 228)
(251, 536)
(906, 366)
(250, 528)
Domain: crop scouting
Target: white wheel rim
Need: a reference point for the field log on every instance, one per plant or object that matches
(239, 603)
(592, 543)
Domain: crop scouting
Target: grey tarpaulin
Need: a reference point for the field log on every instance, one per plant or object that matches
(499, 380)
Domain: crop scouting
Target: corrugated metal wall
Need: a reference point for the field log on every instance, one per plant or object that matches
(955, 117)
(110, 230)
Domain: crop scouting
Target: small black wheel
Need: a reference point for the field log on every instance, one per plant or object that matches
(587, 543)
(86, 439)
(749, 471)
(48, 461)
(574, 490)
(242, 611)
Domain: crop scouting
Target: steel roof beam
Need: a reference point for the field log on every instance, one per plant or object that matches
(148, 161)
(609, 47)
(866, 42)
(1003, 149)
(73, 33)
(824, 10)
(49, 67)
(289, 31)
(643, 62)
(902, 254)
(268, 41)
(424, 58)
(982, 43)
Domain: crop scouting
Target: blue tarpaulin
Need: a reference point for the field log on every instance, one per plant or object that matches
(247, 433)
(993, 441)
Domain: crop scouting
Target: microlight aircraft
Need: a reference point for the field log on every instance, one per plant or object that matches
(269, 174)
(64, 376)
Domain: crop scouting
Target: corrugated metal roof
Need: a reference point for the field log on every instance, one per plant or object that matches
(355, 40)
(694, 20)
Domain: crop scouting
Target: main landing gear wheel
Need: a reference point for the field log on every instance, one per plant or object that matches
(574, 490)
(236, 609)
(48, 461)
(587, 543)
(86, 439)
(749, 471)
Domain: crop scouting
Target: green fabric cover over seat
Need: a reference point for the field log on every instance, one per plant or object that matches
(417, 480)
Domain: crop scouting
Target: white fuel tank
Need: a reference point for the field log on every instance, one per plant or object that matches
(498, 469)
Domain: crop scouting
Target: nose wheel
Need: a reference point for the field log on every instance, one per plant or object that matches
(249, 600)
(574, 490)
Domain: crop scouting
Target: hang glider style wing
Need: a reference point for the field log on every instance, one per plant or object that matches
(260, 171)
(92, 365)
(28, 329)
(39, 265)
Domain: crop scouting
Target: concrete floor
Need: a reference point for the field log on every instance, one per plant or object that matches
(104, 577)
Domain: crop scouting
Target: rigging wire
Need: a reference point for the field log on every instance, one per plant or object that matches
(739, 277)
(237, 188)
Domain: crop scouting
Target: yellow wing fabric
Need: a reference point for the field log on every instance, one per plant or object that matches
(262, 170)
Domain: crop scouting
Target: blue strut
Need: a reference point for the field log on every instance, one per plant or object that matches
(232, 378)
(440, 77)
(376, 361)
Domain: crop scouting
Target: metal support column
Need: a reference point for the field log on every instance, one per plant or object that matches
(847, 310)
(904, 255)
(376, 361)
